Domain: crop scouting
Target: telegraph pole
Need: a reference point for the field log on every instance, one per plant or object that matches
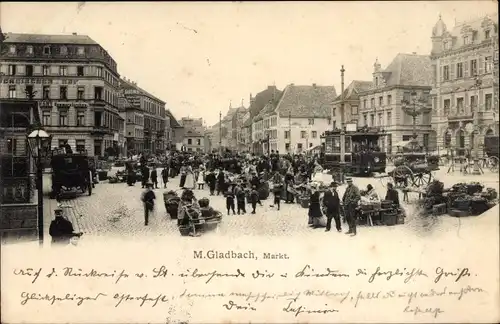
(342, 126)
(290, 131)
(220, 131)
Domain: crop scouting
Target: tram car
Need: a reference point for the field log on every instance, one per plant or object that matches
(491, 150)
(362, 151)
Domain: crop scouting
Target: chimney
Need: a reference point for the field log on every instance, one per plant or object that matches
(74, 34)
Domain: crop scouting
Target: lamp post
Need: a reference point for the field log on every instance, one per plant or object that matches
(415, 107)
(36, 139)
(475, 110)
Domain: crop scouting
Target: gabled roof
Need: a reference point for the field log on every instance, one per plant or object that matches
(306, 101)
(49, 39)
(262, 99)
(126, 84)
(351, 92)
(409, 70)
(173, 122)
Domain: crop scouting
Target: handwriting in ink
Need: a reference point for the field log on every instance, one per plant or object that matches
(213, 274)
(233, 306)
(30, 272)
(459, 274)
(307, 271)
(143, 299)
(297, 310)
(265, 274)
(418, 311)
(52, 273)
(160, 272)
(397, 273)
(327, 293)
(52, 299)
(72, 272)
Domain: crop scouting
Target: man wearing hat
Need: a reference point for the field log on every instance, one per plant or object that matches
(351, 199)
(331, 202)
(148, 198)
(61, 229)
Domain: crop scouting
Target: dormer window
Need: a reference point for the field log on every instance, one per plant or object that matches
(487, 34)
(12, 49)
(446, 45)
(81, 50)
(29, 49)
(46, 50)
(466, 40)
(64, 50)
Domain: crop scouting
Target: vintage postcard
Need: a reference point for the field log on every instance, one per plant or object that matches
(249, 162)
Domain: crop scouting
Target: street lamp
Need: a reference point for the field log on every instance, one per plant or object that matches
(415, 107)
(37, 139)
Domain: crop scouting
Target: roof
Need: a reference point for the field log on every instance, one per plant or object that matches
(306, 101)
(477, 24)
(262, 98)
(173, 122)
(193, 133)
(128, 84)
(351, 92)
(247, 122)
(410, 70)
(49, 39)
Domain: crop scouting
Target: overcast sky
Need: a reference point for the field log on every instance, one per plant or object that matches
(200, 56)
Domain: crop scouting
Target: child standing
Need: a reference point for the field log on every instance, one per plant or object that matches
(254, 198)
(201, 179)
(240, 199)
(230, 199)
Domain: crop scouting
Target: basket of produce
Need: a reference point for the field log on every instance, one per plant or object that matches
(304, 201)
(474, 187)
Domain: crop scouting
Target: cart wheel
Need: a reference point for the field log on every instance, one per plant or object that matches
(493, 163)
(421, 179)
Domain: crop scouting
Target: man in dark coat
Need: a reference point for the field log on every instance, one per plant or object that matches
(331, 201)
(61, 229)
(164, 176)
(145, 175)
(154, 178)
(148, 198)
(392, 194)
(351, 199)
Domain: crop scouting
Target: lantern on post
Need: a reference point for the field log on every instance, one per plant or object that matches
(39, 144)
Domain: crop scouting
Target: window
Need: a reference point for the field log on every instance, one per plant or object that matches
(80, 94)
(446, 73)
(376, 81)
(81, 50)
(46, 117)
(29, 91)
(487, 64)
(199, 141)
(460, 70)
(12, 146)
(46, 92)
(190, 141)
(12, 91)
(46, 70)
(29, 49)
(299, 146)
(372, 120)
(487, 34)
(63, 70)
(426, 140)
(488, 100)
(446, 45)
(473, 67)
(380, 101)
(364, 104)
(389, 99)
(29, 70)
(63, 118)
(466, 40)
(63, 92)
(473, 102)
(302, 134)
(79, 71)
(12, 49)
(311, 121)
(12, 70)
(310, 144)
(460, 105)
(372, 103)
(334, 124)
(64, 50)
(365, 120)
(446, 106)
(99, 72)
(80, 118)
(287, 147)
(333, 112)
(314, 134)
(380, 120)
(287, 134)
(354, 110)
(389, 118)
(46, 50)
(80, 145)
(98, 93)
(407, 137)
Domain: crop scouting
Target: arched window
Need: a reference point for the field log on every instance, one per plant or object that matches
(447, 139)
(489, 132)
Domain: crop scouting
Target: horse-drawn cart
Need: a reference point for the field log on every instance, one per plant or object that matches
(70, 172)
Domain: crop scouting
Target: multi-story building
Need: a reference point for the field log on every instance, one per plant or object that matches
(18, 197)
(134, 124)
(382, 104)
(351, 102)
(176, 132)
(245, 132)
(194, 141)
(75, 82)
(464, 81)
(150, 113)
(193, 124)
(237, 120)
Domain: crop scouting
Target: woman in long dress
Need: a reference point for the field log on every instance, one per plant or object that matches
(315, 214)
(190, 181)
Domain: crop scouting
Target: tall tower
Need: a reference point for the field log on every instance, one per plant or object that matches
(437, 36)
